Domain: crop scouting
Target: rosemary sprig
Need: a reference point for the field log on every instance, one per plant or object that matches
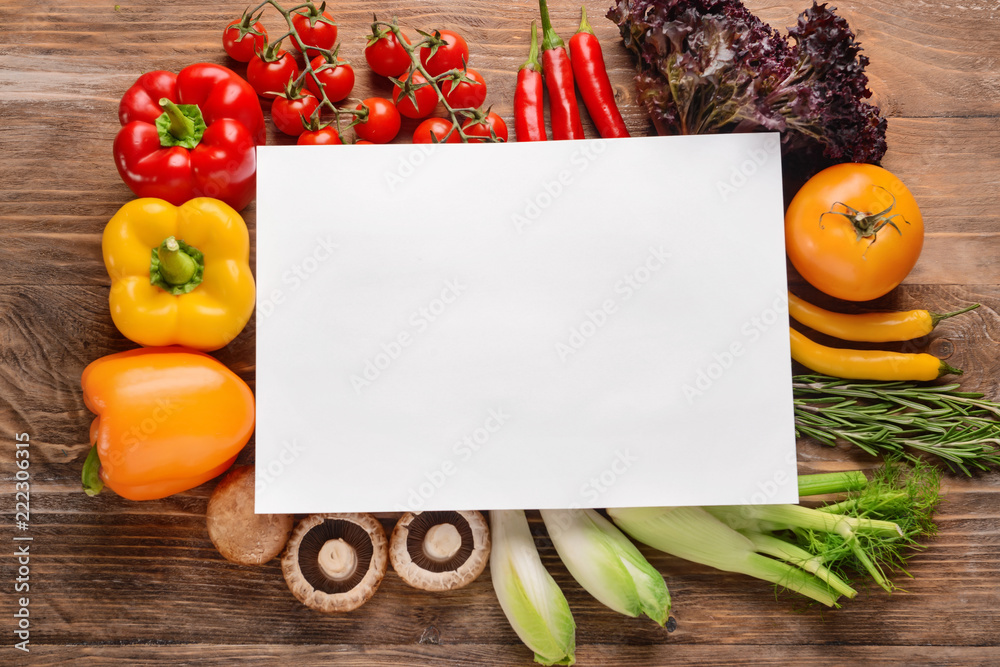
(900, 418)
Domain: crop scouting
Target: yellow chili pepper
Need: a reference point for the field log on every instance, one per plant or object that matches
(868, 327)
(180, 275)
(867, 364)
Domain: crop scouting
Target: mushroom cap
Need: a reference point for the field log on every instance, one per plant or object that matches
(431, 574)
(305, 576)
(240, 535)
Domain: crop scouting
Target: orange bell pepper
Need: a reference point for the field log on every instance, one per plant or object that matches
(168, 419)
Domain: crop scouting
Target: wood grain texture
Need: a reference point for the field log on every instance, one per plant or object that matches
(115, 582)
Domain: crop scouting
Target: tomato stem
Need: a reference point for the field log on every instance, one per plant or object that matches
(379, 28)
(868, 225)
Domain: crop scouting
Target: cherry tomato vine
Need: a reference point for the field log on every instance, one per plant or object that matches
(417, 92)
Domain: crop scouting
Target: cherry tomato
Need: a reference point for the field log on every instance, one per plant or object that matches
(854, 231)
(288, 114)
(269, 78)
(246, 47)
(357, 143)
(465, 95)
(453, 54)
(474, 128)
(439, 128)
(337, 80)
(425, 96)
(386, 55)
(382, 124)
(325, 136)
(314, 30)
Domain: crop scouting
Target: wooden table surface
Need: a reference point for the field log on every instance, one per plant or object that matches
(113, 581)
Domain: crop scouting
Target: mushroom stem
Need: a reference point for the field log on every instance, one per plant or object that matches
(338, 559)
(442, 542)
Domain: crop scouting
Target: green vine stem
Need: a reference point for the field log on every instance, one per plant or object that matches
(299, 82)
(413, 50)
(358, 116)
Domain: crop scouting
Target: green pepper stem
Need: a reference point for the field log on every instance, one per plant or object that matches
(937, 317)
(91, 477)
(550, 40)
(181, 127)
(176, 266)
(945, 369)
(584, 25)
(533, 63)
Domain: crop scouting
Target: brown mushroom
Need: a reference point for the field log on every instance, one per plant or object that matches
(335, 562)
(240, 535)
(440, 551)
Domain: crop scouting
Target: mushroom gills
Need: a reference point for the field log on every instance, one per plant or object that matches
(439, 541)
(335, 555)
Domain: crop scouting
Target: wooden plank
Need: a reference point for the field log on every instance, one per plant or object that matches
(117, 582)
(147, 569)
(957, 199)
(429, 653)
(49, 333)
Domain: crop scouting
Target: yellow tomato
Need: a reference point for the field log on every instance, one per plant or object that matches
(854, 231)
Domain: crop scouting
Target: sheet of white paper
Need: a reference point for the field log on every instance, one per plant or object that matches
(546, 325)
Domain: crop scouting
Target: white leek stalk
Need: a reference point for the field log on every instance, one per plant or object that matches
(606, 563)
(693, 534)
(530, 598)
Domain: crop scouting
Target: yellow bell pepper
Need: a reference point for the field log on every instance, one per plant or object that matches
(180, 275)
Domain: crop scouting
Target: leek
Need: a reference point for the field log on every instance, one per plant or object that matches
(693, 534)
(530, 598)
(803, 549)
(607, 564)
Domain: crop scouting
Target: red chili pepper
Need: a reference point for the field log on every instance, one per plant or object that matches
(558, 73)
(592, 79)
(191, 134)
(529, 112)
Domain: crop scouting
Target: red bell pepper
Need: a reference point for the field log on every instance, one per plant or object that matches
(191, 134)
